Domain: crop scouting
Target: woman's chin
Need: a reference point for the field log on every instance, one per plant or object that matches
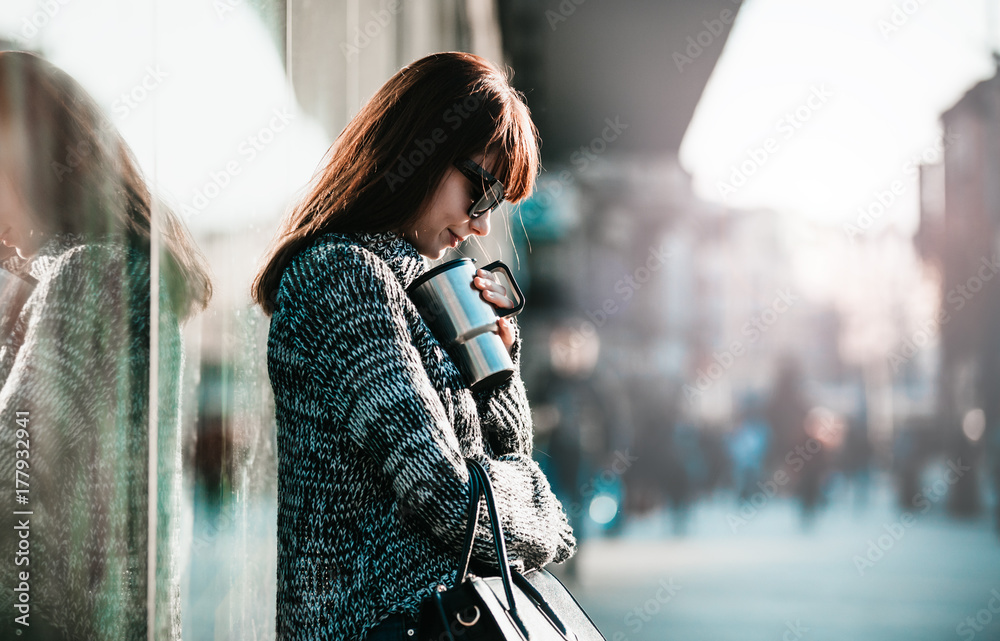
(433, 253)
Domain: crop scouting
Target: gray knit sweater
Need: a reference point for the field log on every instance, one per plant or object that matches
(374, 423)
(76, 367)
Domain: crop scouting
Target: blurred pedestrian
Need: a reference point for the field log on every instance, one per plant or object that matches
(657, 479)
(992, 438)
(692, 469)
(587, 447)
(856, 460)
(748, 447)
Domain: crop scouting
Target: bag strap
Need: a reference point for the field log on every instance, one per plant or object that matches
(475, 491)
(479, 480)
(480, 485)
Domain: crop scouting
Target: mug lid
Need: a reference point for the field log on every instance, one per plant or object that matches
(431, 273)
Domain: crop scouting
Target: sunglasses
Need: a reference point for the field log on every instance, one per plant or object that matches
(492, 194)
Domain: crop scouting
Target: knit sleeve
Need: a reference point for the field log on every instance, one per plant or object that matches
(361, 344)
(75, 382)
(504, 412)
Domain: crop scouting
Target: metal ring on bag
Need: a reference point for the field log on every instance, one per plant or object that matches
(458, 615)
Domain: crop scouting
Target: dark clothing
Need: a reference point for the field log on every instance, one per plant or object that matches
(374, 423)
(398, 627)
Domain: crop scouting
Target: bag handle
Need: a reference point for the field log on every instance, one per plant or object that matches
(479, 482)
(475, 491)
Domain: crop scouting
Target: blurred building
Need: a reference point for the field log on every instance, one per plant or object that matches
(692, 294)
(959, 236)
(691, 297)
(612, 103)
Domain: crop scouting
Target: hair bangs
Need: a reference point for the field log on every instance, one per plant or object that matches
(515, 146)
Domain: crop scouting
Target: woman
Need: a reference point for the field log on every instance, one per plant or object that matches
(76, 371)
(374, 419)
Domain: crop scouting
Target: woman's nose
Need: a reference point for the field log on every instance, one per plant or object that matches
(481, 226)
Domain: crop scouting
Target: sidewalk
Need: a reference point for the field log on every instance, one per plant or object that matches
(854, 577)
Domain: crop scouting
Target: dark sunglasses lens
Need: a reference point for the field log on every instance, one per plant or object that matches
(479, 207)
(487, 202)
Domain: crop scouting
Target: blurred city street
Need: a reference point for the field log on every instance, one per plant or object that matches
(770, 580)
(758, 256)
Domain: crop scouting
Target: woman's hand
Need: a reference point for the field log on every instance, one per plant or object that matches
(496, 294)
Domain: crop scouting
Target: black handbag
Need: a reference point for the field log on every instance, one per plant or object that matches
(533, 606)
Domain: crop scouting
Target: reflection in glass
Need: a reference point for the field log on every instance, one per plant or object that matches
(82, 370)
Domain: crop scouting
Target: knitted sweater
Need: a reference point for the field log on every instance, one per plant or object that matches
(76, 367)
(374, 423)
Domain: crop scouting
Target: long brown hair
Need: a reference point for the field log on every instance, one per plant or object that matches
(398, 148)
(78, 176)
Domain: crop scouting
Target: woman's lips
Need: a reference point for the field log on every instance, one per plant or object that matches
(455, 240)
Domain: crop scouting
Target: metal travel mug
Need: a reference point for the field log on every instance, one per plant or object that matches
(465, 323)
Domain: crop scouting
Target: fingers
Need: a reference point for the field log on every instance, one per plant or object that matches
(485, 280)
(497, 299)
(506, 332)
(493, 291)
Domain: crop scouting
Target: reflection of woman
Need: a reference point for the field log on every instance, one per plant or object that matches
(374, 419)
(76, 370)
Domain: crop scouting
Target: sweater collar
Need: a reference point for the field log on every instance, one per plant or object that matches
(38, 267)
(402, 257)
(44, 261)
